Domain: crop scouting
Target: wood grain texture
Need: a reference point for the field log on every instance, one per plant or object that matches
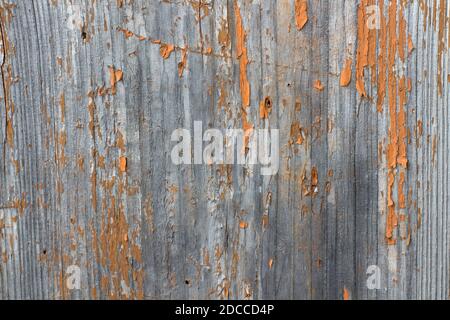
(92, 91)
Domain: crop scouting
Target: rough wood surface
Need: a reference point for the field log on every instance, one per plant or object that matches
(92, 90)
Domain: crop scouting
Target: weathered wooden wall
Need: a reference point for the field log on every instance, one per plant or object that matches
(91, 92)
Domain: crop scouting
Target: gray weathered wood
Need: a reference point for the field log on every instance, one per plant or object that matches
(87, 180)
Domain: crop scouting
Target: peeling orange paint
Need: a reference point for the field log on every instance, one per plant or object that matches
(115, 76)
(381, 84)
(402, 35)
(242, 56)
(166, 49)
(318, 85)
(6, 71)
(297, 133)
(127, 33)
(346, 294)
(346, 73)
(363, 48)
(123, 164)
(391, 220)
(62, 106)
(410, 45)
(243, 224)
(223, 36)
(301, 13)
(265, 108)
(434, 148)
(241, 51)
(402, 158)
(441, 41)
(401, 192)
(183, 62)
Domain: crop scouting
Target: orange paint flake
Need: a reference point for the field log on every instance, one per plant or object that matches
(115, 76)
(402, 36)
(244, 85)
(123, 164)
(391, 220)
(441, 43)
(119, 75)
(265, 108)
(346, 294)
(9, 132)
(402, 125)
(165, 50)
(297, 133)
(242, 57)
(183, 62)
(127, 33)
(223, 36)
(301, 13)
(243, 224)
(410, 45)
(314, 181)
(318, 85)
(62, 106)
(434, 148)
(401, 193)
(208, 51)
(6, 70)
(420, 127)
(265, 220)
(346, 73)
(392, 87)
(382, 60)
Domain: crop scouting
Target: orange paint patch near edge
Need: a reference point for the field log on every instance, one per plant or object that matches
(243, 224)
(391, 220)
(346, 294)
(441, 43)
(410, 45)
(244, 85)
(382, 61)
(346, 74)
(123, 164)
(301, 13)
(119, 75)
(114, 77)
(401, 193)
(402, 157)
(265, 108)
(242, 57)
(165, 50)
(182, 63)
(318, 85)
